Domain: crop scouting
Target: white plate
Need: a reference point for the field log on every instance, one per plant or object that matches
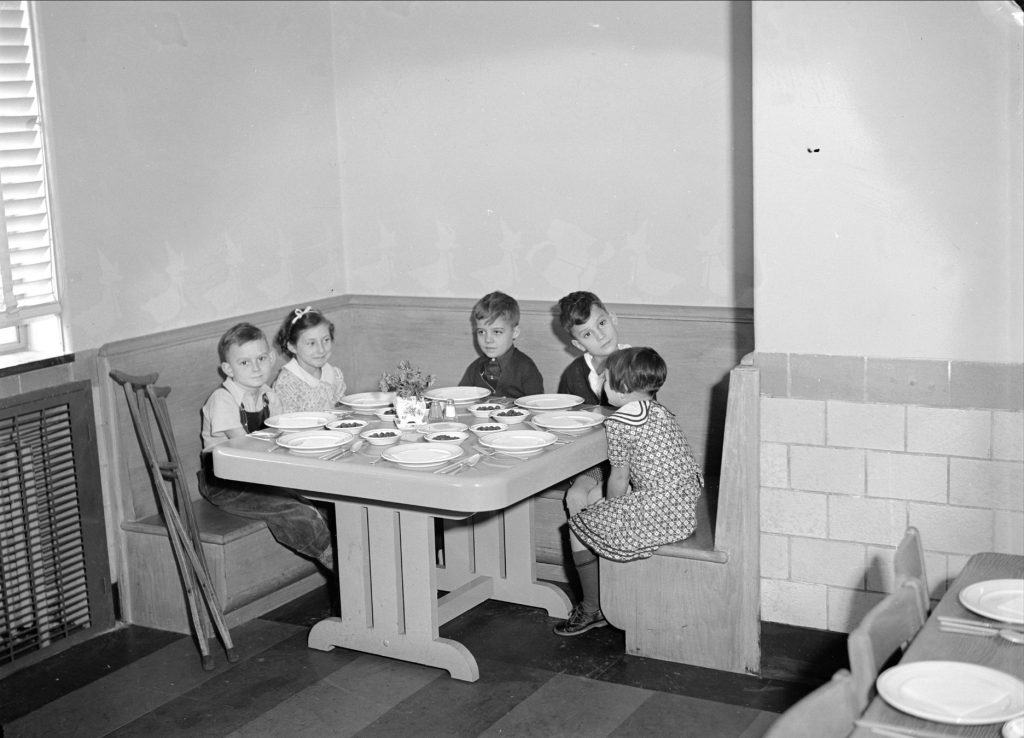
(549, 402)
(443, 428)
(461, 395)
(367, 402)
(299, 421)
(569, 421)
(1014, 728)
(999, 599)
(422, 455)
(518, 442)
(952, 692)
(314, 441)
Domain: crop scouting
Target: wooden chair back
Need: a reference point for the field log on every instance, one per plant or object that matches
(884, 631)
(909, 568)
(827, 712)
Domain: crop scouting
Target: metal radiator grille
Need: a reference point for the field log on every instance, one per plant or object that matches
(44, 588)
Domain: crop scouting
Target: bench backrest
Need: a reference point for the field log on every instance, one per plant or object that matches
(373, 333)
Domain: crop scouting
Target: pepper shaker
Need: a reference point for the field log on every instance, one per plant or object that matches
(436, 411)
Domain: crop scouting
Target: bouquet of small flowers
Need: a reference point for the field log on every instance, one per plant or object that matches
(407, 380)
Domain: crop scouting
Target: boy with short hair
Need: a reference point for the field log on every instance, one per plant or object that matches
(242, 405)
(593, 330)
(503, 369)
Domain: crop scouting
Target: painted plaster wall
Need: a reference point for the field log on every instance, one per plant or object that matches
(540, 147)
(888, 210)
(889, 179)
(527, 146)
(194, 160)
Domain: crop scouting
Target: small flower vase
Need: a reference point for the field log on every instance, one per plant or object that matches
(410, 412)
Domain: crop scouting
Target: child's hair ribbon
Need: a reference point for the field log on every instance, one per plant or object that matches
(299, 312)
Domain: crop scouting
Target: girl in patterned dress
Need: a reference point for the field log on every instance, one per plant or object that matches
(654, 482)
(307, 382)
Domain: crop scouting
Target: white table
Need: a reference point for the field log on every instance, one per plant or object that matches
(388, 579)
(931, 644)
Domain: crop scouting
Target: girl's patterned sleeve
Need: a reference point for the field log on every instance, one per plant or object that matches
(620, 440)
(339, 387)
(274, 400)
(289, 392)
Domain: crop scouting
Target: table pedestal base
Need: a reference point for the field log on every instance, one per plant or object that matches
(388, 582)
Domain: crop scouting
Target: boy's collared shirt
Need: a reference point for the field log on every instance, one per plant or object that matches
(221, 411)
(595, 379)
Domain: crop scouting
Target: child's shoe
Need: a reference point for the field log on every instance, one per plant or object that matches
(580, 621)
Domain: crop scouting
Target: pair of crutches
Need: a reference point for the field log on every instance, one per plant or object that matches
(176, 510)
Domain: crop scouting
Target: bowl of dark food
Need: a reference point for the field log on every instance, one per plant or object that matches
(381, 436)
(482, 429)
(347, 424)
(511, 415)
(484, 409)
(446, 437)
(386, 415)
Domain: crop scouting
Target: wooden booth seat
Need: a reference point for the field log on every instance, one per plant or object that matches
(250, 571)
(697, 601)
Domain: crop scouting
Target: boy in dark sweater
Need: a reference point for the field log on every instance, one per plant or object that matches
(503, 369)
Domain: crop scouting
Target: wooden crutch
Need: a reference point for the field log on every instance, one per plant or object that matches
(185, 544)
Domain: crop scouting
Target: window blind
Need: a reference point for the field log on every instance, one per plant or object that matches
(26, 252)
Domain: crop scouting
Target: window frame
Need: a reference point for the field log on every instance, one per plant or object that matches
(39, 324)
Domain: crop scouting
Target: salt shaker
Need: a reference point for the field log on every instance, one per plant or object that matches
(449, 410)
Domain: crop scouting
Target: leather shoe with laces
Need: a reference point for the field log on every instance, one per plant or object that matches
(580, 621)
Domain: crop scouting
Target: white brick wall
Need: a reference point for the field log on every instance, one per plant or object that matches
(841, 481)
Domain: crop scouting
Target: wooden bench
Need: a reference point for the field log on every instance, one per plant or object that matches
(697, 601)
(250, 571)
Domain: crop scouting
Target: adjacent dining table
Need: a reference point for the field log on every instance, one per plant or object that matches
(393, 592)
(934, 645)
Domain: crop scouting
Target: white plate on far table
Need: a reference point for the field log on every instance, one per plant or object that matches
(549, 402)
(999, 599)
(366, 403)
(315, 441)
(952, 692)
(461, 395)
(518, 442)
(422, 455)
(299, 421)
(569, 421)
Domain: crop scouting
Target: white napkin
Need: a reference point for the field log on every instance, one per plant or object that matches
(956, 697)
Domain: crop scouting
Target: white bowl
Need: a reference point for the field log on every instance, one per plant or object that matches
(511, 415)
(447, 437)
(482, 429)
(347, 424)
(386, 415)
(381, 436)
(484, 409)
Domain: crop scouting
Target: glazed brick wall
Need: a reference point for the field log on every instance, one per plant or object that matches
(855, 449)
